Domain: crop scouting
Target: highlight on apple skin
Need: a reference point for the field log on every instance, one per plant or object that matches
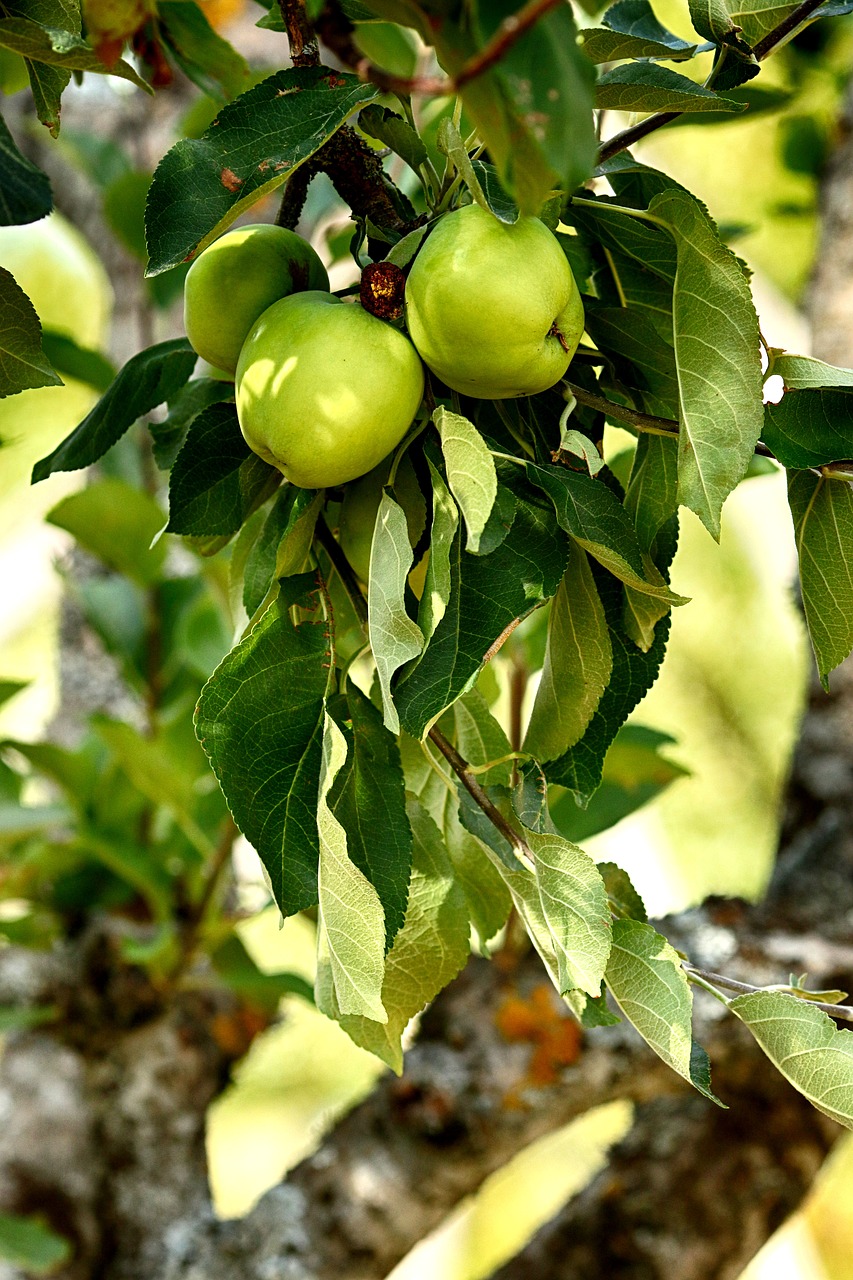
(324, 389)
(235, 279)
(493, 307)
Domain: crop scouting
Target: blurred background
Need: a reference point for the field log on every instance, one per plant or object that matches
(733, 684)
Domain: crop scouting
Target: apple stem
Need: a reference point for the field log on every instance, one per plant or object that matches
(554, 332)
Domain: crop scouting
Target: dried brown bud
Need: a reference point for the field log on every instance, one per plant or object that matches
(383, 287)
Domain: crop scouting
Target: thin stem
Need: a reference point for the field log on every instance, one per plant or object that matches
(434, 765)
(509, 31)
(642, 421)
(628, 137)
(342, 568)
(461, 768)
(703, 977)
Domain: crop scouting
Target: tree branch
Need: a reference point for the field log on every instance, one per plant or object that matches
(628, 137)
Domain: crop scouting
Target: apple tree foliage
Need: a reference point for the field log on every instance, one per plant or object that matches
(352, 727)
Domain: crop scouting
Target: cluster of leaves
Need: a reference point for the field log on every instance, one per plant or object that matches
(355, 737)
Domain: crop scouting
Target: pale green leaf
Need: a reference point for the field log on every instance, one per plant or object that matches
(717, 355)
(429, 950)
(470, 471)
(353, 919)
(805, 373)
(578, 662)
(645, 86)
(574, 905)
(805, 1045)
(823, 524)
(648, 983)
(394, 637)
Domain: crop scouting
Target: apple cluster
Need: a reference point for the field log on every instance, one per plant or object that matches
(325, 390)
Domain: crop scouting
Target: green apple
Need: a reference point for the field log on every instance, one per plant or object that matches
(493, 307)
(235, 279)
(324, 389)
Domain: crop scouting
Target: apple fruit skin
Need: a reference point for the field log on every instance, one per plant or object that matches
(493, 307)
(235, 279)
(325, 390)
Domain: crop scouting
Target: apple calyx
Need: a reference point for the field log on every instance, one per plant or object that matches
(383, 290)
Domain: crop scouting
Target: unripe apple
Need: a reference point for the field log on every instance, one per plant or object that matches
(324, 389)
(235, 279)
(493, 307)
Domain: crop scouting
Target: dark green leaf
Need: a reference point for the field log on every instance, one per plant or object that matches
(77, 362)
(116, 522)
(368, 798)
(645, 86)
(260, 720)
(631, 30)
(203, 56)
(386, 126)
(488, 595)
(758, 100)
(238, 970)
(810, 428)
(23, 363)
(533, 109)
(184, 407)
(147, 380)
(633, 773)
(283, 545)
(217, 481)
(253, 146)
(622, 896)
(823, 525)
(47, 83)
(634, 673)
(25, 194)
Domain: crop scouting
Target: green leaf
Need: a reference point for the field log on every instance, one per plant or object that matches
(47, 83)
(489, 595)
(61, 50)
(801, 373)
(578, 662)
(430, 949)
(622, 897)
(146, 381)
(22, 1018)
(470, 472)
(9, 688)
(810, 428)
(77, 362)
(368, 799)
(238, 970)
(29, 1243)
(352, 932)
(116, 522)
(25, 194)
(633, 674)
(574, 905)
(217, 481)
(631, 30)
(652, 494)
(645, 86)
(823, 526)
(438, 582)
(260, 720)
(806, 1046)
(394, 637)
(596, 519)
(251, 149)
(185, 405)
(203, 56)
(533, 109)
(23, 363)
(645, 977)
(717, 353)
(392, 130)
(633, 773)
(283, 545)
(160, 774)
